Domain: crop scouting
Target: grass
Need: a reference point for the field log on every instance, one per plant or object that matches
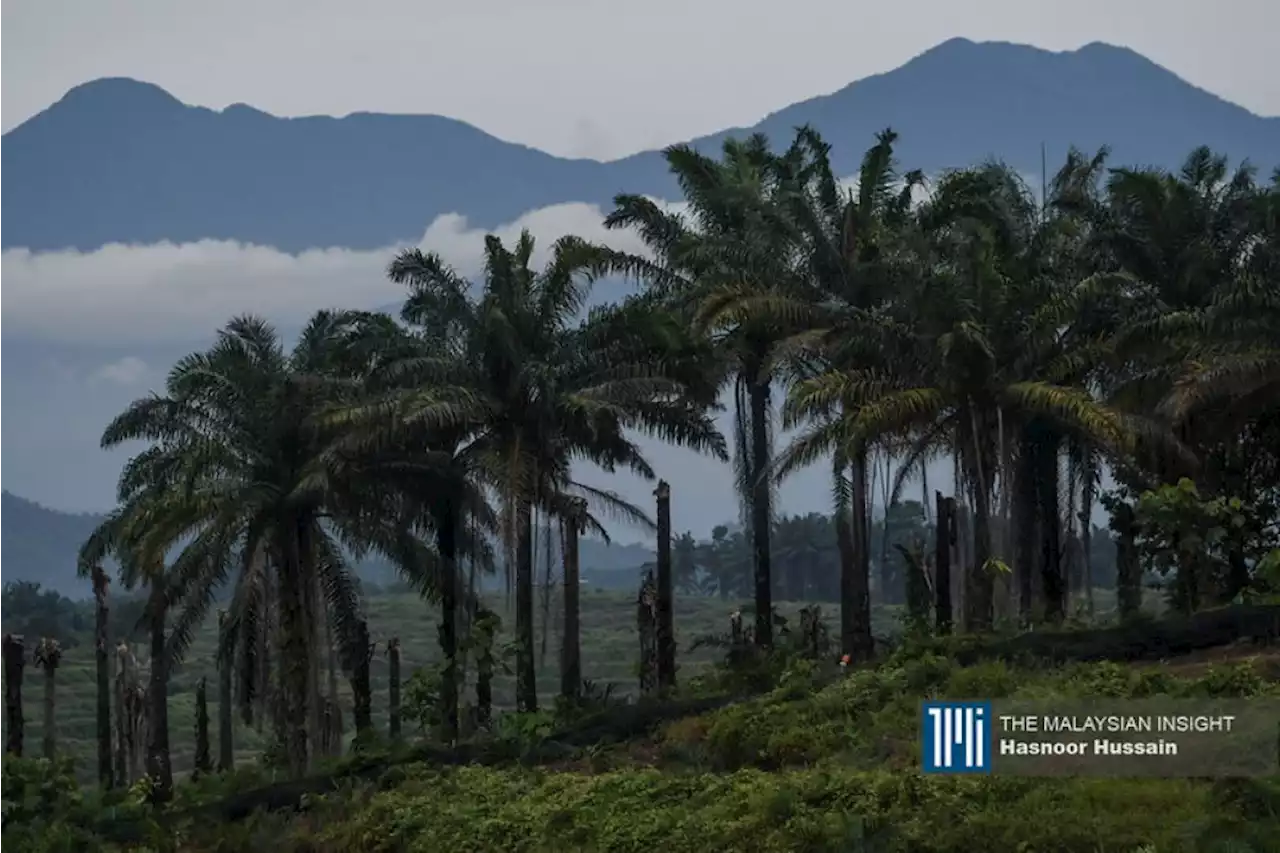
(811, 766)
(610, 651)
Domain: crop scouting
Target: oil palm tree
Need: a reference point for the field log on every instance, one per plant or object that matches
(238, 479)
(515, 386)
(732, 241)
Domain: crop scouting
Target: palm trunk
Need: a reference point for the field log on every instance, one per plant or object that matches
(314, 613)
(226, 749)
(843, 520)
(447, 545)
(665, 628)
(982, 586)
(1025, 518)
(393, 687)
(1053, 583)
(295, 656)
(122, 768)
(860, 643)
(526, 672)
(48, 656)
(361, 692)
(203, 761)
(158, 762)
(944, 540)
(14, 662)
(761, 512)
(1128, 568)
(1086, 532)
(332, 701)
(571, 650)
(102, 661)
(546, 590)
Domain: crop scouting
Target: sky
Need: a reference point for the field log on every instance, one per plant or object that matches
(85, 333)
(581, 78)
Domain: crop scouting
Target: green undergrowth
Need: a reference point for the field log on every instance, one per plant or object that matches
(813, 765)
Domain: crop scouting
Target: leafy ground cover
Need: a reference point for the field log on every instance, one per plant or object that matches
(814, 765)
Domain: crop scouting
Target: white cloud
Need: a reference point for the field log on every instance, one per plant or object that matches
(125, 371)
(167, 293)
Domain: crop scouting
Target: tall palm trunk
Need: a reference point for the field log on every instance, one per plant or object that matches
(980, 599)
(843, 520)
(666, 628)
(1050, 523)
(447, 545)
(859, 643)
(102, 662)
(1025, 520)
(979, 591)
(48, 656)
(1086, 529)
(203, 761)
(361, 693)
(393, 687)
(15, 660)
(944, 543)
(571, 650)
(159, 767)
(294, 652)
(226, 749)
(526, 673)
(313, 612)
(1128, 568)
(334, 723)
(761, 512)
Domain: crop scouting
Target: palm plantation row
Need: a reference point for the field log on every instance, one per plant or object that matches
(1125, 321)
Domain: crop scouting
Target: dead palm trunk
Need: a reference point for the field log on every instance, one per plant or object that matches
(393, 687)
(666, 640)
(15, 654)
(226, 749)
(361, 694)
(48, 655)
(102, 662)
(122, 768)
(571, 650)
(1128, 568)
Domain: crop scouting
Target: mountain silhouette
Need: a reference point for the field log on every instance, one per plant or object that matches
(117, 160)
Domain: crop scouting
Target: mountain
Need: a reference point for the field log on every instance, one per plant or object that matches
(42, 545)
(116, 160)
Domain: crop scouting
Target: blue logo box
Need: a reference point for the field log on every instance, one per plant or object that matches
(956, 737)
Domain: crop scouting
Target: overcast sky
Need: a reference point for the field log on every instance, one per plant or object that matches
(584, 77)
(84, 333)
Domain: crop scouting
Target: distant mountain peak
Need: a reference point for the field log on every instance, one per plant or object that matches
(122, 93)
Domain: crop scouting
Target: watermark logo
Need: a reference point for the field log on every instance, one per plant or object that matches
(956, 737)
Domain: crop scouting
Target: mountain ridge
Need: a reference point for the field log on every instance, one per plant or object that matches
(41, 544)
(156, 170)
